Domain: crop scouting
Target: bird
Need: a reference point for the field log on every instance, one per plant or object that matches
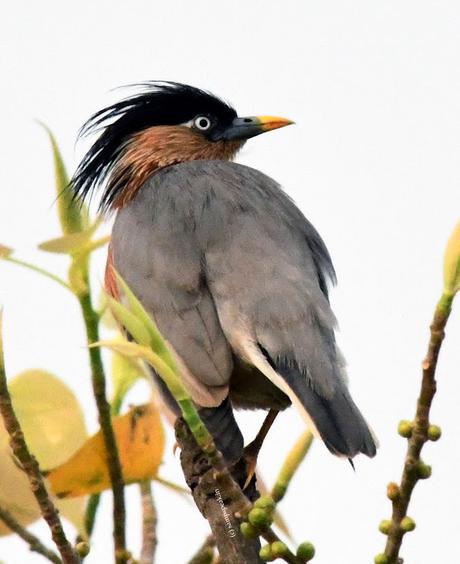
(231, 271)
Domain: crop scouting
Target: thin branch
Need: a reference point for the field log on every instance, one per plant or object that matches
(30, 466)
(205, 554)
(419, 436)
(113, 460)
(149, 524)
(34, 542)
(38, 270)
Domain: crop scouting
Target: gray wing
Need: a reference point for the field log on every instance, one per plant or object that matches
(156, 252)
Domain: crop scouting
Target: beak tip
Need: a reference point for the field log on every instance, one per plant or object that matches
(267, 123)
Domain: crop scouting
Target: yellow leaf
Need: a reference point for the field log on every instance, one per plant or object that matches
(5, 251)
(15, 493)
(74, 510)
(452, 263)
(140, 440)
(50, 416)
(54, 429)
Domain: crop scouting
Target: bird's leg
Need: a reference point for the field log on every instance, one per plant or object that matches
(251, 451)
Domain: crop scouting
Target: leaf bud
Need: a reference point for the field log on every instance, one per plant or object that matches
(434, 432)
(265, 502)
(423, 470)
(306, 551)
(266, 554)
(393, 491)
(248, 531)
(405, 429)
(82, 548)
(259, 518)
(279, 549)
(407, 524)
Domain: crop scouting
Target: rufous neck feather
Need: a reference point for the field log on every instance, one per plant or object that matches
(157, 147)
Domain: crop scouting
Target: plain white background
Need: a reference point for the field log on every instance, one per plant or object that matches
(374, 163)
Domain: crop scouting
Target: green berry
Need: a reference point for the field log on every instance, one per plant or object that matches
(82, 549)
(306, 551)
(393, 491)
(265, 502)
(248, 531)
(266, 554)
(381, 559)
(279, 549)
(423, 470)
(407, 524)
(405, 429)
(434, 432)
(259, 518)
(385, 526)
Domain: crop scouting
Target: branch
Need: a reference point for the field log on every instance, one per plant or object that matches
(418, 434)
(34, 542)
(219, 498)
(149, 524)
(30, 466)
(113, 461)
(223, 503)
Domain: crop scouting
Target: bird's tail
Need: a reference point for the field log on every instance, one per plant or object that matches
(337, 419)
(333, 415)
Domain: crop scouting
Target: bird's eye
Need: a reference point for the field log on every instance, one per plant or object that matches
(202, 123)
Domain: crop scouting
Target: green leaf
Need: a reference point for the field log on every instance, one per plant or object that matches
(171, 378)
(72, 242)
(72, 216)
(130, 322)
(125, 373)
(157, 342)
(67, 244)
(78, 275)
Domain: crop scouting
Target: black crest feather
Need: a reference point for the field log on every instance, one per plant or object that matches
(158, 103)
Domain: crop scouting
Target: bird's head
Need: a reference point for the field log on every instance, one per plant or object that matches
(166, 123)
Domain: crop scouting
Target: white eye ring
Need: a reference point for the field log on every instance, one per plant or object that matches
(202, 123)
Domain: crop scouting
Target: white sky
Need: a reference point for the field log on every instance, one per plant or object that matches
(374, 163)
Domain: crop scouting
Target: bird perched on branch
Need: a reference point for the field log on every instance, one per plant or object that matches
(233, 274)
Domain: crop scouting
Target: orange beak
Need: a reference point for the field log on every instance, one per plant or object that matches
(267, 123)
